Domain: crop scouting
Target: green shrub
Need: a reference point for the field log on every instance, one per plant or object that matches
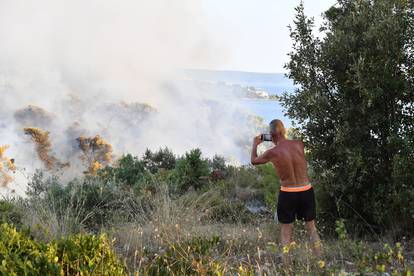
(20, 255)
(129, 171)
(88, 202)
(193, 257)
(191, 171)
(244, 176)
(10, 213)
(39, 184)
(269, 185)
(229, 212)
(96, 201)
(88, 254)
(163, 159)
(261, 178)
(80, 254)
(217, 163)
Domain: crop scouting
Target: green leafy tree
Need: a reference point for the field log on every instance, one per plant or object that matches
(217, 163)
(129, 171)
(354, 108)
(191, 171)
(161, 159)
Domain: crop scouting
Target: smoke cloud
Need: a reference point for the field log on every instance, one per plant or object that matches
(109, 68)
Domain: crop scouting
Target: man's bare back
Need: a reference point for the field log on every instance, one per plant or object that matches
(288, 157)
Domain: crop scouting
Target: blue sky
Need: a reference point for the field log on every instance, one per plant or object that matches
(253, 33)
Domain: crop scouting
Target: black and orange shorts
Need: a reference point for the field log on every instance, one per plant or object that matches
(293, 205)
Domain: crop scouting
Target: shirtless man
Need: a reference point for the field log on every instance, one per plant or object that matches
(296, 196)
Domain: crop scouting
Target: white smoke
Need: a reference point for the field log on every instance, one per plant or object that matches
(86, 62)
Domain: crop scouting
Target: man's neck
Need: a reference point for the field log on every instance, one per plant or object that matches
(281, 139)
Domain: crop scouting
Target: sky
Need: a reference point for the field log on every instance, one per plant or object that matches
(252, 35)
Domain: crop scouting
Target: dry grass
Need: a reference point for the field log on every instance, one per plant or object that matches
(174, 236)
(243, 248)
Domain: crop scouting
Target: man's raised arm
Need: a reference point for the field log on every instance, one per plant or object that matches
(263, 158)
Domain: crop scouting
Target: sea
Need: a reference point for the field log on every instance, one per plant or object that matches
(271, 83)
(266, 109)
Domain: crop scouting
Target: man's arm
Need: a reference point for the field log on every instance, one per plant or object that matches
(263, 158)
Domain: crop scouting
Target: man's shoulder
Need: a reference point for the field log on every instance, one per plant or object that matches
(273, 151)
(297, 142)
(294, 145)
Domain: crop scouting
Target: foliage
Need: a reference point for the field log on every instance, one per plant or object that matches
(206, 231)
(354, 106)
(88, 254)
(129, 171)
(244, 176)
(191, 171)
(89, 202)
(261, 178)
(162, 159)
(20, 255)
(269, 184)
(83, 254)
(10, 213)
(218, 163)
(192, 257)
(229, 212)
(367, 259)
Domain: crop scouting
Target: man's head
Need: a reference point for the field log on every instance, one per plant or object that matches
(278, 130)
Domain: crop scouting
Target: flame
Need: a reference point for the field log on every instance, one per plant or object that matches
(6, 165)
(97, 153)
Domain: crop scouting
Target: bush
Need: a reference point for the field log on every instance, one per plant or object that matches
(89, 202)
(10, 213)
(245, 176)
(218, 163)
(261, 178)
(87, 254)
(163, 159)
(20, 255)
(128, 172)
(81, 254)
(192, 257)
(229, 212)
(269, 185)
(191, 171)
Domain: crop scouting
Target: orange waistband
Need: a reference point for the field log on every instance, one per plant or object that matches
(295, 189)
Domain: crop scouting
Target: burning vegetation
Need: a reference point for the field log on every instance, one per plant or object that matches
(97, 153)
(44, 148)
(6, 166)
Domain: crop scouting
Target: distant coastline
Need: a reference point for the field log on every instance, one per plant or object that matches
(259, 93)
(258, 85)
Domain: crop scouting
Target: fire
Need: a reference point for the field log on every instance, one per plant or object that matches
(97, 153)
(44, 148)
(6, 165)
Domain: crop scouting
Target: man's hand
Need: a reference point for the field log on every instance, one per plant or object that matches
(262, 159)
(257, 140)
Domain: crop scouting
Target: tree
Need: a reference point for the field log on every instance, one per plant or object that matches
(129, 171)
(354, 108)
(191, 171)
(218, 163)
(162, 159)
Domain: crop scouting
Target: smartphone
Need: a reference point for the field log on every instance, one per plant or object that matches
(266, 137)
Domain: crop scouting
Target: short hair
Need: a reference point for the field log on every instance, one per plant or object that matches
(276, 126)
